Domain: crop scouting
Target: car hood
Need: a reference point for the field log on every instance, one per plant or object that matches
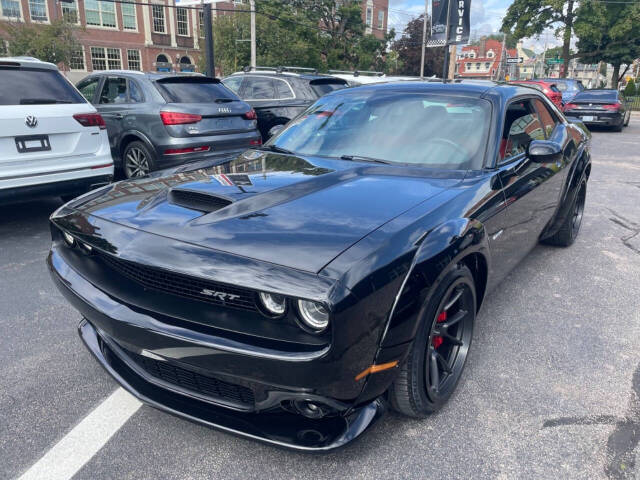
(293, 211)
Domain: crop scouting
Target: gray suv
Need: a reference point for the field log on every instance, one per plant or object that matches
(156, 121)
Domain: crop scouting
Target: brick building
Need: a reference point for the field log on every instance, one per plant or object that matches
(482, 61)
(140, 37)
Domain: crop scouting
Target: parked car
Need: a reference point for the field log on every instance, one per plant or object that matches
(159, 120)
(569, 87)
(600, 107)
(51, 140)
(290, 294)
(278, 95)
(548, 88)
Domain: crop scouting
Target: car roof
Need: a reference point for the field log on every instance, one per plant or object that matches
(273, 73)
(147, 75)
(28, 62)
(469, 88)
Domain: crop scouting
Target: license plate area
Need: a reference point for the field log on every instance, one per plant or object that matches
(589, 118)
(33, 143)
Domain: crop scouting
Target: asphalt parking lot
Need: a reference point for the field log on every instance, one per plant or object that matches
(551, 389)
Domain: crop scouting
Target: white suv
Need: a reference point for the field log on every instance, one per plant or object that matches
(51, 140)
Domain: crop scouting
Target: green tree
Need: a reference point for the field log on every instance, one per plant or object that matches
(510, 41)
(322, 34)
(609, 32)
(409, 50)
(528, 18)
(50, 43)
(630, 89)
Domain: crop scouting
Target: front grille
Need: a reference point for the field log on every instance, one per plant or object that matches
(202, 202)
(204, 385)
(182, 285)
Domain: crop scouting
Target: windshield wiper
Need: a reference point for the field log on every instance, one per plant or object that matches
(275, 148)
(41, 101)
(360, 158)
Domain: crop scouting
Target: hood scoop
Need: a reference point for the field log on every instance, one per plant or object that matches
(195, 200)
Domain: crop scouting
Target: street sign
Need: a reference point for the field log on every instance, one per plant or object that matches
(554, 61)
(515, 59)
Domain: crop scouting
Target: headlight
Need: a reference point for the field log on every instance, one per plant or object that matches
(275, 304)
(68, 239)
(313, 315)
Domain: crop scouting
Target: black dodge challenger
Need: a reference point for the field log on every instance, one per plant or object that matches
(292, 293)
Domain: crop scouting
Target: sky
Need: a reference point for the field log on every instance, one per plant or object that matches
(486, 18)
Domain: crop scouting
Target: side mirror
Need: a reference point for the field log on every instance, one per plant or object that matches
(544, 151)
(276, 129)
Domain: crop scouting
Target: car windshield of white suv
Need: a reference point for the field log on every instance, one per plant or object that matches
(392, 127)
(26, 86)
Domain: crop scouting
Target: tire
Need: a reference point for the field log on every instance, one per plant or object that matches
(137, 160)
(570, 228)
(451, 311)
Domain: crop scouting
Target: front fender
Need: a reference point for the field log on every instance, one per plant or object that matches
(438, 251)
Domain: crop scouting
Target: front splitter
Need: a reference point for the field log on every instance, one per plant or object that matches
(280, 428)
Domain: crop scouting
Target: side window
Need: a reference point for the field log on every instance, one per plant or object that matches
(233, 83)
(548, 120)
(259, 88)
(283, 90)
(521, 126)
(88, 88)
(135, 95)
(114, 91)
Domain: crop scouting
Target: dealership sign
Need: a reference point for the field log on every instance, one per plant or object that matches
(450, 22)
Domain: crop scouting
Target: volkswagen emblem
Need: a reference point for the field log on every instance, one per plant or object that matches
(31, 121)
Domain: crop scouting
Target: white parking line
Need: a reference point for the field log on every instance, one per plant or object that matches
(86, 439)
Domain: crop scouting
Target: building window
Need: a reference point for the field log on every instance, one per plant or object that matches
(4, 51)
(76, 62)
(11, 9)
(103, 58)
(158, 18)
(98, 58)
(490, 54)
(101, 14)
(477, 66)
(162, 63)
(380, 19)
(369, 16)
(38, 10)
(487, 65)
(133, 60)
(114, 62)
(70, 12)
(201, 23)
(186, 65)
(129, 20)
(183, 22)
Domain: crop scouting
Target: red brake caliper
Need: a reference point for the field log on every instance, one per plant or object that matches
(437, 340)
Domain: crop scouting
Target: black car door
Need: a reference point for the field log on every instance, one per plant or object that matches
(532, 189)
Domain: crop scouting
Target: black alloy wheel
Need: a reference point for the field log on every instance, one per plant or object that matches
(433, 367)
(568, 231)
(449, 341)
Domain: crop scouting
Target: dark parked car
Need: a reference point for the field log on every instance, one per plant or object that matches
(600, 107)
(158, 120)
(290, 294)
(280, 95)
(569, 87)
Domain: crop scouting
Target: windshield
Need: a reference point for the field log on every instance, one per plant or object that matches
(324, 86)
(597, 95)
(27, 86)
(398, 127)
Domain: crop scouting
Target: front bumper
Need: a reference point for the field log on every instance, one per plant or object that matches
(279, 428)
(119, 335)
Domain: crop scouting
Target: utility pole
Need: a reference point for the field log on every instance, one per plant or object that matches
(208, 39)
(252, 6)
(424, 38)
